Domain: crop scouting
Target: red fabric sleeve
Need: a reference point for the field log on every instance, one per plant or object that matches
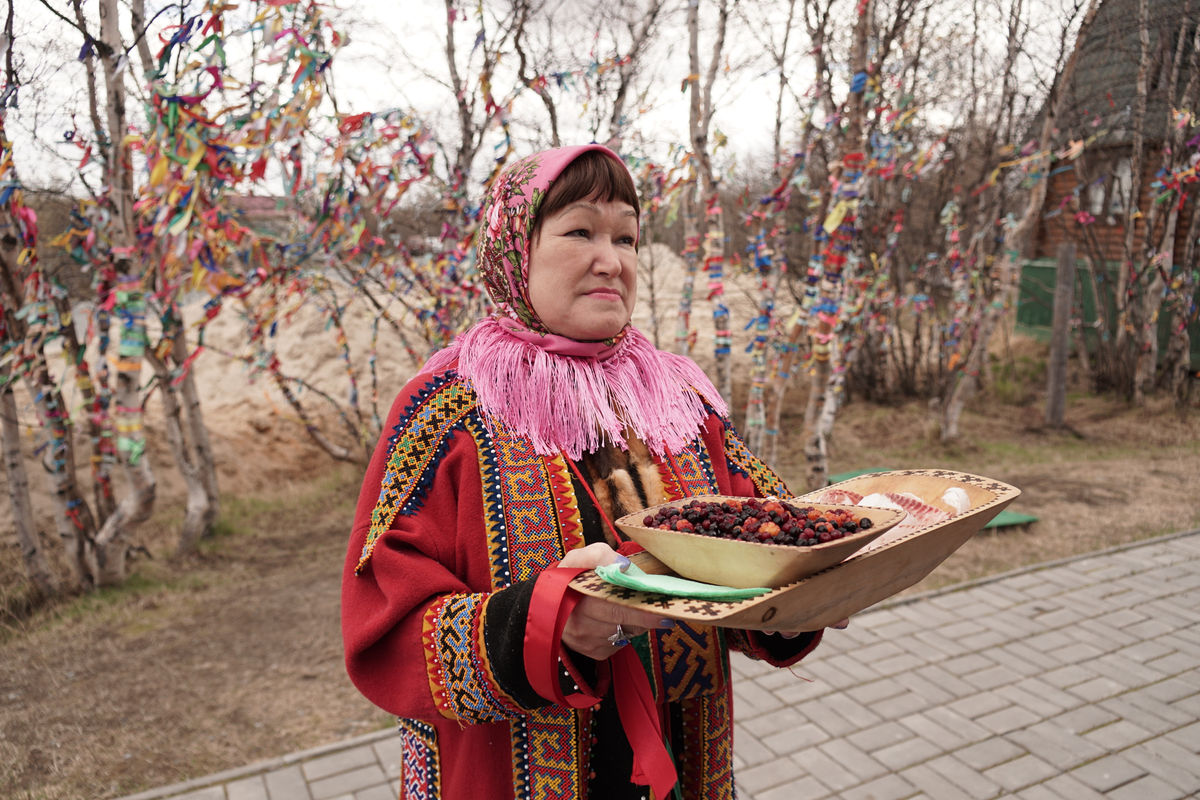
(413, 616)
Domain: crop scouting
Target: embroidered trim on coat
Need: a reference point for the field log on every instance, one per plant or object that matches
(742, 460)
(418, 442)
(420, 764)
(493, 507)
(534, 498)
(689, 662)
(552, 755)
(532, 518)
(695, 474)
(708, 773)
(456, 666)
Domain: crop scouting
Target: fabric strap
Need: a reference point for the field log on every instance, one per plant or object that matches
(552, 603)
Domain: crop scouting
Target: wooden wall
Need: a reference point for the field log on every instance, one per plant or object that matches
(1068, 194)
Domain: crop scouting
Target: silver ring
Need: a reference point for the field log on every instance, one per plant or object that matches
(618, 639)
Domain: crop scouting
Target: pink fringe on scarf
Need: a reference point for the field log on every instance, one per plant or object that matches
(578, 404)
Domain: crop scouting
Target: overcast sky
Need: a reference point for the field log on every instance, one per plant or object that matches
(375, 71)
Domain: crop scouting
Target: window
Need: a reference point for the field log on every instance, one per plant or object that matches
(1122, 181)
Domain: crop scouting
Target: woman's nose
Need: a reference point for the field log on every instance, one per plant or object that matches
(607, 259)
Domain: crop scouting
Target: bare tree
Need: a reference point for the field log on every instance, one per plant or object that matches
(1162, 219)
(633, 27)
(29, 322)
(704, 200)
(988, 311)
(770, 241)
(16, 246)
(534, 80)
(1128, 317)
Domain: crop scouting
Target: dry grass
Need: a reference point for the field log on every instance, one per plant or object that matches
(1116, 475)
(235, 655)
(231, 657)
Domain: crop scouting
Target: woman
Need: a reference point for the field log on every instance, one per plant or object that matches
(510, 453)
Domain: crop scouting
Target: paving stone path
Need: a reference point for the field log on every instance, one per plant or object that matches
(1072, 680)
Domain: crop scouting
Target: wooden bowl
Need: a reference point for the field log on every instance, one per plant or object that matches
(742, 565)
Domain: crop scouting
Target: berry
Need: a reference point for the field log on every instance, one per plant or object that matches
(755, 520)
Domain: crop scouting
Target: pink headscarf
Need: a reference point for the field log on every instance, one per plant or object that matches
(564, 394)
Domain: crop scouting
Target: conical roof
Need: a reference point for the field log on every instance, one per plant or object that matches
(1105, 82)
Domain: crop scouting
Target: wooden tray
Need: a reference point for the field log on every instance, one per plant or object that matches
(881, 569)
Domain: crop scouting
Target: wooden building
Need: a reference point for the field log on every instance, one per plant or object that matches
(1088, 195)
(1091, 178)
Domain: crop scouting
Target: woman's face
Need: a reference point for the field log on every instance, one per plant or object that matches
(583, 269)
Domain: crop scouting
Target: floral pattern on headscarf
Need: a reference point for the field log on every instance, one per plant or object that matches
(505, 237)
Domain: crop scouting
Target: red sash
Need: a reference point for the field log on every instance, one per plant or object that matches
(551, 605)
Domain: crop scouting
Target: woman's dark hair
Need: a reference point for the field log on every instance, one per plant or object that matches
(592, 176)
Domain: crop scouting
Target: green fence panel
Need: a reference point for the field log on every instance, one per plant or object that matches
(1035, 304)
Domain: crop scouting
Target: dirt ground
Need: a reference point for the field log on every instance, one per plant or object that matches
(234, 655)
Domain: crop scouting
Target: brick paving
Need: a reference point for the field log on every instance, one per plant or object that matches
(1076, 679)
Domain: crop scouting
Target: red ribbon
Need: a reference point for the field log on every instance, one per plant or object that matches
(551, 605)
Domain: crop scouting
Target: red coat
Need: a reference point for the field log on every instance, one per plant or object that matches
(453, 519)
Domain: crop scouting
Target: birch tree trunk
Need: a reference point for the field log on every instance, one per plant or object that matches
(27, 319)
(1179, 347)
(700, 111)
(138, 502)
(684, 339)
(1177, 360)
(1147, 298)
(1124, 364)
(1159, 250)
(817, 15)
(1056, 369)
(198, 430)
(822, 327)
(770, 261)
(136, 505)
(186, 435)
(198, 514)
(94, 402)
(691, 232)
(36, 566)
(775, 390)
(72, 515)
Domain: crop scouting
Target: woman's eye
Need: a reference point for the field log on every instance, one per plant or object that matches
(578, 232)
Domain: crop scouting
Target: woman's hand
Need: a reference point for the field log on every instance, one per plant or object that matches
(594, 621)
